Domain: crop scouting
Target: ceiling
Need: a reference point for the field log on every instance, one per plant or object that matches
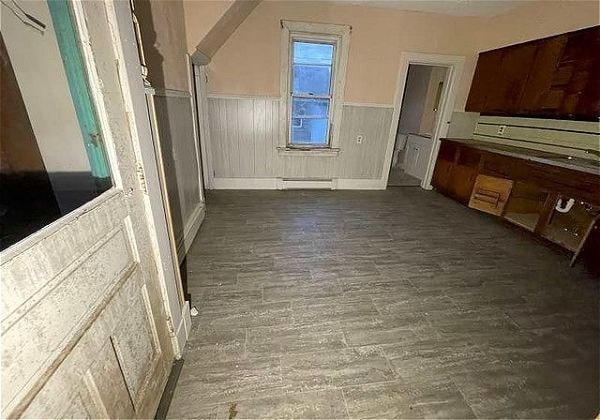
(447, 7)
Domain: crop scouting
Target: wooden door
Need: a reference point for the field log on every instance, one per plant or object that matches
(84, 326)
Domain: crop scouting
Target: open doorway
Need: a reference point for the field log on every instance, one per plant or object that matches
(419, 116)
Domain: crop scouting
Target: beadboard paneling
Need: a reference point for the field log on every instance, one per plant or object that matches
(244, 136)
(365, 160)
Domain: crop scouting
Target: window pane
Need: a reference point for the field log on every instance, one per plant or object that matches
(310, 79)
(306, 107)
(309, 131)
(52, 152)
(311, 68)
(312, 53)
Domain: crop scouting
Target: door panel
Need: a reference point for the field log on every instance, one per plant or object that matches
(84, 326)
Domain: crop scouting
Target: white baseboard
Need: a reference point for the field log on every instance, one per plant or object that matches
(245, 183)
(183, 329)
(282, 184)
(360, 184)
(190, 231)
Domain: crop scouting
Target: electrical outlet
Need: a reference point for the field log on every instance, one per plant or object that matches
(501, 130)
(359, 139)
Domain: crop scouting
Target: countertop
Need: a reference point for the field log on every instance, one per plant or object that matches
(589, 166)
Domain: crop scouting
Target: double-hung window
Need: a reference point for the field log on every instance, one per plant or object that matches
(313, 73)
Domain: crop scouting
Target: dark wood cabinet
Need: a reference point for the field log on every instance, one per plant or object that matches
(455, 171)
(556, 77)
(535, 188)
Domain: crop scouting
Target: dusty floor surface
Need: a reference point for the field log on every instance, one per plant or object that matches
(388, 304)
(399, 178)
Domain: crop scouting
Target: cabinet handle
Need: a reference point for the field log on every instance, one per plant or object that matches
(487, 196)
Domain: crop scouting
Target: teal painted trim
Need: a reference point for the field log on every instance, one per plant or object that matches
(68, 43)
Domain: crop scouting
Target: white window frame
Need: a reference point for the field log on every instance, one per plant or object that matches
(339, 36)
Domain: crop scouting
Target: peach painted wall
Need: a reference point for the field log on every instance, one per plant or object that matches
(248, 63)
(163, 38)
(200, 17)
(537, 20)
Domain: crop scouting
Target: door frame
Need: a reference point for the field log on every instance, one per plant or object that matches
(454, 64)
(201, 103)
(120, 17)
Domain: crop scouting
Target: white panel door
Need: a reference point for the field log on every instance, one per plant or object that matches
(84, 325)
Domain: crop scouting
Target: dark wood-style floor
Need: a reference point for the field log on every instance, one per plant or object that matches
(388, 304)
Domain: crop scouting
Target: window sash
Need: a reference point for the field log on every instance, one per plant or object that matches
(306, 95)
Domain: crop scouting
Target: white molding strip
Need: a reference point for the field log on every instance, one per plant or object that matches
(360, 184)
(245, 183)
(369, 105)
(316, 152)
(172, 93)
(190, 231)
(266, 97)
(287, 184)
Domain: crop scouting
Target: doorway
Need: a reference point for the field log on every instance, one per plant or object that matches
(453, 65)
(419, 115)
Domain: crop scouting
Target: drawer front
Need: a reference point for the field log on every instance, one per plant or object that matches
(490, 194)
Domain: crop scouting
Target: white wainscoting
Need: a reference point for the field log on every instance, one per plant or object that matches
(245, 136)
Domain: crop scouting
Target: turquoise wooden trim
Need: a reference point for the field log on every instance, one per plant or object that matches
(68, 44)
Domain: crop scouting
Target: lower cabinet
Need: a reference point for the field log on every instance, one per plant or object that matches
(560, 205)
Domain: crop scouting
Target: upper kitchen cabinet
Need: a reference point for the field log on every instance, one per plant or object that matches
(556, 77)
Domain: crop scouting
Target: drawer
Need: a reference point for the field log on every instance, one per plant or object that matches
(490, 194)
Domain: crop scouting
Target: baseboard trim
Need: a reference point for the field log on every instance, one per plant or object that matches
(286, 184)
(190, 231)
(245, 183)
(360, 184)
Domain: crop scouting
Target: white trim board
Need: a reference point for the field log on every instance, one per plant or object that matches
(171, 93)
(245, 183)
(251, 97)
(368, 105)
(454, 64)
(281, 183)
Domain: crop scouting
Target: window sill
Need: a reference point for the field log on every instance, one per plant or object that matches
(317, 152)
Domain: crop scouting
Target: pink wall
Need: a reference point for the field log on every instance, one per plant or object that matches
(200, 17)
(248, 63)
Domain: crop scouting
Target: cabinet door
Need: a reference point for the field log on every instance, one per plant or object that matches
(581, 97)
(443, 166)
(485, 75)
(536, 99)
(505, 91)
(441, 175)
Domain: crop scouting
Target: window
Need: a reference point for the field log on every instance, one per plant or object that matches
(51, 149)
(313, 82)
(312, 65)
